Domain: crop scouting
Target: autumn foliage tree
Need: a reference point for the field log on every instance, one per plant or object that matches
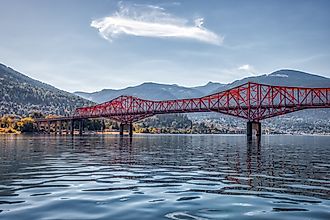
(12, 124)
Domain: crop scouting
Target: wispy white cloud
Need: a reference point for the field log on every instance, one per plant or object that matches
(152, 21)
(247, 68)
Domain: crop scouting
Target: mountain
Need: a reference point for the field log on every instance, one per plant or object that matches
(155, 91)
(209, 87)
(148, 90)
(282, 78)
(20, 94)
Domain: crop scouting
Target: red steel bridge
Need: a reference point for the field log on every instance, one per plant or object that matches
(251, 101)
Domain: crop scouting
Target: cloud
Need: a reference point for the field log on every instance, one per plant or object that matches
(247, 68)
(152, 21)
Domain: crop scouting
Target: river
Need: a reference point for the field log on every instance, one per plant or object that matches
(164, 177)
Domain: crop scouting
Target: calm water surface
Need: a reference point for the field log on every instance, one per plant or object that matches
(164, 177)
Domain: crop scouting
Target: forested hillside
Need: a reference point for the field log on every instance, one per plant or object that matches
(22, 95)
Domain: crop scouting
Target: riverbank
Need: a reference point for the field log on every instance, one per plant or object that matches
(9, 131)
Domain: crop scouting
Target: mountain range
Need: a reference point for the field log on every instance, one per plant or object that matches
(156, 91)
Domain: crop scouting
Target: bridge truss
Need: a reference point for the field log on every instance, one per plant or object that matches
(250, 101)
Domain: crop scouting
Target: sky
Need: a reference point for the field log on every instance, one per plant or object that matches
(81, 45)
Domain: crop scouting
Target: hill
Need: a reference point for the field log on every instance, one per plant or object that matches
(20, 94)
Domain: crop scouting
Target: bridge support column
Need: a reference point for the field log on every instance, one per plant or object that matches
(81, 126)
(253, 129)
(38, 127)
(48, 127)
(130, 129)
(60, 127)
(55, 128)
(72, 127)
(67, 127)
(103, 125)
(121, 129)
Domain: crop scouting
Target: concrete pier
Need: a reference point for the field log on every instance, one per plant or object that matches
(38, 127)
(72, 127)
(55, 127)
(253, 129)
(130, 129)
(60, 127)
(103, 126)
(48, 127)
(81, 127)
(67, 127)
(121, 129)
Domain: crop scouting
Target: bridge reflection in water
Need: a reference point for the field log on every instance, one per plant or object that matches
(250, 101)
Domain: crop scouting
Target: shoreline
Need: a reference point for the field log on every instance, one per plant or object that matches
(156, 134)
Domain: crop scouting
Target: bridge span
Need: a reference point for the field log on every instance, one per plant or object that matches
(251, 101)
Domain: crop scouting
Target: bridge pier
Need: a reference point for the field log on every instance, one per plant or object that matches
(103, 126)
(121, 129)
(67, 127)
(48, 127)
(38, 127)
(253, 129)
(130, 129)
(72, 127)
(81, 127)
(60, 127)
(55, 127)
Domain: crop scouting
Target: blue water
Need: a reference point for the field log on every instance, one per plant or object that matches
(164, 177)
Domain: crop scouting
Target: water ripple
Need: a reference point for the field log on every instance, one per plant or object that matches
(164, 177)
